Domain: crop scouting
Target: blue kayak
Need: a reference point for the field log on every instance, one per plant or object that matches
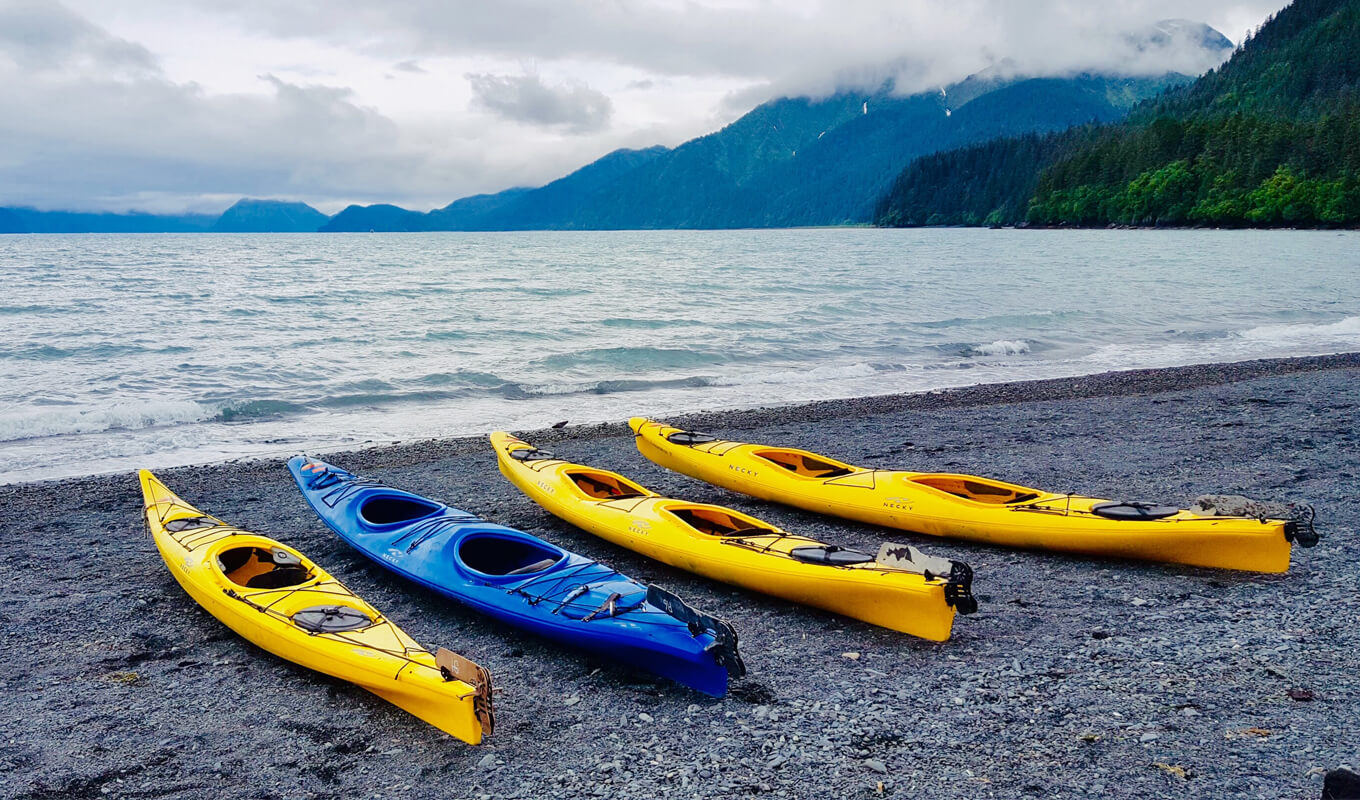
(521, 579)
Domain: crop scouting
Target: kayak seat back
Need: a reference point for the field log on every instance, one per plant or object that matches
(258, 568)
(500, 555)
(976, 489)
(604, 486)
(391, 509)
(805, 465)
(716, 522)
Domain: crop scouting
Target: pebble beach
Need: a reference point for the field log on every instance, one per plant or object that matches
(1076, 678)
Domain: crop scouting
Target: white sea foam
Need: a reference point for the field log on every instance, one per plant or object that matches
(1345, 331)
(1002, 347)
(66, 420)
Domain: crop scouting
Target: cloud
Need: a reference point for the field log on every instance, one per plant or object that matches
(571, 106)
(786, 43)
(42, 36)
(161, 104)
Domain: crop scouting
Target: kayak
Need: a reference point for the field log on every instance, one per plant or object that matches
(281, 601)
(975, 508)
(901, 589)
(522, 580)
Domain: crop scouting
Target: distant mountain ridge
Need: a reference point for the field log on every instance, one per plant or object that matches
(789, 162)
(797, 161)
(245, 216)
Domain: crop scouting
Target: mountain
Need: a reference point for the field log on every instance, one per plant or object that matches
(382, 217)
(1271, 138)
(512, 209)
(841, 176)
(31, 220)
(11, 222)
(269, 216)
(466, 212)
(534, 209)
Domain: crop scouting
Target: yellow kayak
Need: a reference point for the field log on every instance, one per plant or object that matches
(281, 601)
(900, 589)
(969, 507)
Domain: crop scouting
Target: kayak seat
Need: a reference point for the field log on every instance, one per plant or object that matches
(602, 486)
(804, 465)
(713, 522)
(256, 568)
(280, 578)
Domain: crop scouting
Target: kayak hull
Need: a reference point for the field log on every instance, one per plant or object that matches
(380, 657)
(993, 512)
(567, 602)
(655, 526)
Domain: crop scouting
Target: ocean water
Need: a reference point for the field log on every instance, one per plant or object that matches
(119, 351)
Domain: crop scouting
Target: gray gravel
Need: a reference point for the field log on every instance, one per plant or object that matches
(1077, 678)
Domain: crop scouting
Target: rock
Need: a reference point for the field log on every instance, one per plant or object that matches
(487, 761)
(1148, 737)
(852, 656)
(1235, 505)
(571, 701)
(644, 716)
(876, 765)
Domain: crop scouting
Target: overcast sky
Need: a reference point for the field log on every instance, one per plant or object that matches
(191, 104)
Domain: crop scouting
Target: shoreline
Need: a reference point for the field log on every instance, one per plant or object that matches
(1117, 383)
(1077, 677)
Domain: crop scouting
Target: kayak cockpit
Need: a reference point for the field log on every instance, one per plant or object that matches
(713, 521)
(263, 568)
(805, 464)
(502, 556)
(381, 510)
(979, 490)
(600, 485)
